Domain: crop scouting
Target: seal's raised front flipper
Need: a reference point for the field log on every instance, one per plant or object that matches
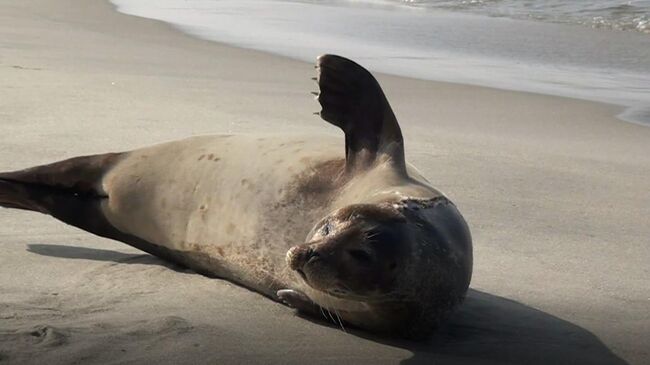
(71, 191)
(352, 99)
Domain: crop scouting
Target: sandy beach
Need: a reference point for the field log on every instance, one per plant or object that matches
(555, 191)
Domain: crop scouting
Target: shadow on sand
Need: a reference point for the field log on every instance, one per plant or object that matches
(487, 329)
(95, 254)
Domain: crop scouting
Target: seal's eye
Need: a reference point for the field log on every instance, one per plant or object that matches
(360, 256)
(326, 229)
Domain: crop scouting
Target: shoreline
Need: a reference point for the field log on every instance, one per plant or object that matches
(554, 190)
(576, 67)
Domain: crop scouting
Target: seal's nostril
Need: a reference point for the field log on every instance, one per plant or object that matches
(312, 255)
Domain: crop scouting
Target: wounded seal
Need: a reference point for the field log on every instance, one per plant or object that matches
(352, 229)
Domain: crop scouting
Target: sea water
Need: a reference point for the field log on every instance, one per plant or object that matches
(607, 14)
(594, 50)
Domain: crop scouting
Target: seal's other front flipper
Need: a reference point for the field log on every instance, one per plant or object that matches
(352, 100)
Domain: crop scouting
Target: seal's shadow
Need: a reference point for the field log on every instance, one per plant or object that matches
(487, 329)
(495, 330)
(96, 254)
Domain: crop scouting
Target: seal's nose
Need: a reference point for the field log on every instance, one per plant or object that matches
(299, 256)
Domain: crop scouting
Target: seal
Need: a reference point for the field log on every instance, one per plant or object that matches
(351, 229)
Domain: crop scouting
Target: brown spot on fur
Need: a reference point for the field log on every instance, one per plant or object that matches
(245, 182)
(201, 157)
(220, 251)
(211, 156)
(217, 159)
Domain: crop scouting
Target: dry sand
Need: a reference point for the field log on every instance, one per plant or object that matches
(555, 191)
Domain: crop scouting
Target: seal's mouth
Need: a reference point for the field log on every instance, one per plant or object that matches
(339, 293)
(302, 274)
(374, 299)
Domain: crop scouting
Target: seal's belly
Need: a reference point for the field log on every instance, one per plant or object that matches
(233, 198)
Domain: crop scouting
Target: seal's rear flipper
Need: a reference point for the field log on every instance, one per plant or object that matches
(352, 100)
(71, 191)
(37, 188)
(68, 190)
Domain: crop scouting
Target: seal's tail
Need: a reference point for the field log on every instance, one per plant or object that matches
(68, 190)
(73, 206)
(71, 191)
(16, 195)
(54, 188)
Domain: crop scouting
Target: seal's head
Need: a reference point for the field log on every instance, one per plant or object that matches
(408, 264)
